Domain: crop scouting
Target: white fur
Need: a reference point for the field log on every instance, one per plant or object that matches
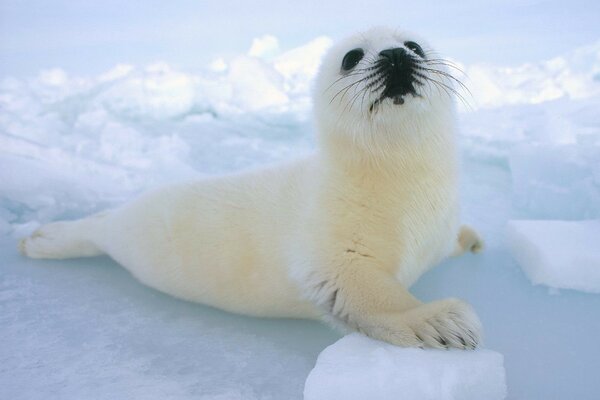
(339, 235)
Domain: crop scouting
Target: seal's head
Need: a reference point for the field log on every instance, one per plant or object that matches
(381, 87)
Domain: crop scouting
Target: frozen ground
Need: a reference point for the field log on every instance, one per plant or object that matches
(71, 144)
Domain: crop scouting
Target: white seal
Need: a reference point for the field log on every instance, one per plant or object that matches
(339, 235)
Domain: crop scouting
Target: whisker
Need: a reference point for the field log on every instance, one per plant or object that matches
(447, 75)
(345, 89)
(353, 73)
(446, 63)
(352, 100)
(451, 89)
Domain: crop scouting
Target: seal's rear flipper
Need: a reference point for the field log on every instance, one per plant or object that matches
(64, 239)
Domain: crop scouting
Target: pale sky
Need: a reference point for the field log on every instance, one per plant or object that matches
(90, 37)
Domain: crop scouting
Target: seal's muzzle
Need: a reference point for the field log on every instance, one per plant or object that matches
(397, 67)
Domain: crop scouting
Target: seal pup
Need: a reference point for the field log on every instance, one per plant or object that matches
(339, 235)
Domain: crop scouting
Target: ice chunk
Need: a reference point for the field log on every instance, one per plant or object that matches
(559, 254)
(356, 367)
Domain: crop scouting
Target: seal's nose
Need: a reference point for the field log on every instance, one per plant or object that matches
(394, 56)
(397, 69)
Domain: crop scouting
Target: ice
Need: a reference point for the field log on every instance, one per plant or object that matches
(559, 254)
(356, 367)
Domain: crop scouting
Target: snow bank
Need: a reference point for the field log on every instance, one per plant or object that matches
(356, 367)
(559, 254)
(70, 145)
(573, 75)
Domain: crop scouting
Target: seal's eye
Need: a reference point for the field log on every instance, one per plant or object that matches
(415, 47)
(352, 58)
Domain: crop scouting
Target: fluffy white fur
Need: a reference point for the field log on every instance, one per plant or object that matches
(339, 235)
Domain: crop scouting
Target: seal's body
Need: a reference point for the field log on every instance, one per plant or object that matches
(339, 235)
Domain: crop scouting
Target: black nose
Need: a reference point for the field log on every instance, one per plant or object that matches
(397, 68)
(394, 56)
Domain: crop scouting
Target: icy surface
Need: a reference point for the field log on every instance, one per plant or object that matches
(357, 368)
(72, 144)
(559, 254)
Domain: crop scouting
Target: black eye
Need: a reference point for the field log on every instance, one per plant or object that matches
(352, 58)
(415, 47)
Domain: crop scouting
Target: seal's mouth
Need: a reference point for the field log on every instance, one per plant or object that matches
(398, 99)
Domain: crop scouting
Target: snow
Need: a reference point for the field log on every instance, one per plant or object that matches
(559, 254)
(356, 367)
(73, 143)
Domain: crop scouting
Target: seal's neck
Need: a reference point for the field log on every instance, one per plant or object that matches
(393, 153)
